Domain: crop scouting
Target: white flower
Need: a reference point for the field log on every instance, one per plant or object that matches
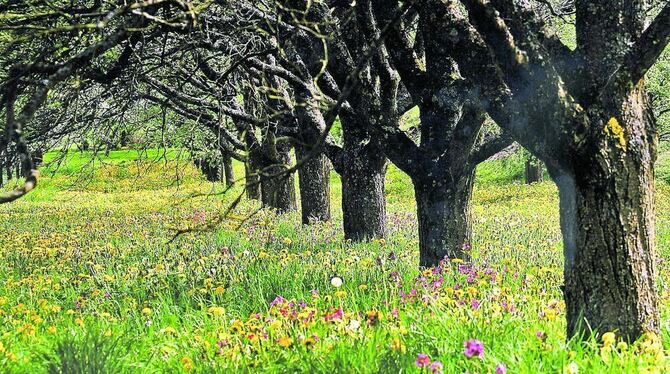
(354, 324)
(336, 282)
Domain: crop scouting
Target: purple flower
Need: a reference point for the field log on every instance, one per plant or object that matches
(474, 304)
(474, 348)
(422, 360)
(436, 367)
(501, 369)
(277, 300)
(392, 256)
(541, 335)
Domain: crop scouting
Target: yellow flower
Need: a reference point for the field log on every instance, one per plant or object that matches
(309, 342)
(79, 321)
(52, 329)
(169, 330)
(108, 333)
(146, 311)
(216, 311)
(363, 287)
(397, 345)
(285, 341)
(340, 293)
(287, 241)
(187, 363)
(622, 346)
(219, 290)
(608, 338)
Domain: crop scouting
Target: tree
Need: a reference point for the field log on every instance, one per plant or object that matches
(584, 113)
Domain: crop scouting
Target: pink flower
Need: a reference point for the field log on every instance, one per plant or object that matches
(501, 369)
(422, 360)
(436, 367)
(474, 348)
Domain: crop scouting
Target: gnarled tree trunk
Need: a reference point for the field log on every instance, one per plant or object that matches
(607, 216)
(445, 217)
(279, 192)
(228, 172)
(532, 171)
(363, 200)
(314, 184)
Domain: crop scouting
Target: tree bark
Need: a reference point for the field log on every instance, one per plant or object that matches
(211, 170)
(444, 215)
(363, 200)
(228, 171)
(278, 193)
(533, 171)
(314, 184)
(608, 224)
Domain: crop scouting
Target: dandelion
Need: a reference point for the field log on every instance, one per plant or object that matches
(219, 290)
(474, 348)
(336, 281)
(216, 311)
(285, 341)
(146, 311)
(608, 338)
(187, 363)
(422, 360)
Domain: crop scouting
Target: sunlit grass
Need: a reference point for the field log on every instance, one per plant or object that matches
(90, 278)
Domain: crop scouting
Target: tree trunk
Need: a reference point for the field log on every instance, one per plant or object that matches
(363, 200)
(252, 187)
(444, 215)
(279, 192)
(608, 223)
(228, 171)
(314, 183)
(211, 170)
(533, 171)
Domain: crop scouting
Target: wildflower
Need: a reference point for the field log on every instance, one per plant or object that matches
(219, 290)
(52, 329)
(336, 281)
(216, 311)
(436, 367)
(571, 368)
(310, 341)
(354, 324)
(187, 363)
(146, 311)
(397, 345)
(608, 338)
(340, 294)
(363, 287)
(108, 333)
(422, 360)
(622, 346)
(474, 348)
(285, 341)
(287, 241)
(501, 369)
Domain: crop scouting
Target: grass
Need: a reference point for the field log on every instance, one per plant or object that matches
(92, 282)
